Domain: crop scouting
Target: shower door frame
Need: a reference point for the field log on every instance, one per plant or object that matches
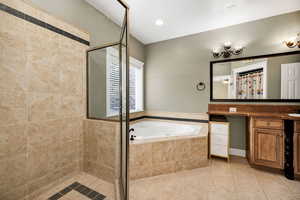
(123, 186)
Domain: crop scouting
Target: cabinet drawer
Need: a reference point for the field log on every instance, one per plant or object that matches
(268, 123)
(219, 139)
(219, 150)
(297, 126)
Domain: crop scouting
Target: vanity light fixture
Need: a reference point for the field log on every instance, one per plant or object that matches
(293, 42)
(227, 50)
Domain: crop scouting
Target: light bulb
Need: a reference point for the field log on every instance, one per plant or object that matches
(159, 22)
(227, 44)
(216, 50)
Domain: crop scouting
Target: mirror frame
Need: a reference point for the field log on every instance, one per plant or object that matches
(246, 58)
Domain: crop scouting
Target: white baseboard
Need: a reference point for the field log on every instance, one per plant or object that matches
(237, 152)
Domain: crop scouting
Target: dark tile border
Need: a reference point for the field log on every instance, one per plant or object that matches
(86, 191)
(40, 23)
(170, 118)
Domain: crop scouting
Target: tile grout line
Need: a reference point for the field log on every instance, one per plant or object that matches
(262, 188)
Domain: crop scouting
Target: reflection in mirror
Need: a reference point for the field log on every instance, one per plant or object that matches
(276, 77)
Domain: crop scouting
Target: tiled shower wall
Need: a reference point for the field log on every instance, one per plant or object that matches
(102, 149)
(42, 102)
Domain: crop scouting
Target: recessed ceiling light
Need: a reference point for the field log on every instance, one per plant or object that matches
(159, 22)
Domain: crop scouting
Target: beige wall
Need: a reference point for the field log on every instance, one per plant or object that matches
(42, 102)
(174, 67)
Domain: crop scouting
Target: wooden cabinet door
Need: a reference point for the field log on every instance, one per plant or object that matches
(297, 153)
(268, 148)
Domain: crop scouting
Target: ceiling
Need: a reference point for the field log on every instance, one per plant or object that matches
(186, 17)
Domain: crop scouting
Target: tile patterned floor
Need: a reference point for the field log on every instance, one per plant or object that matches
(219, 181)
(93, 183)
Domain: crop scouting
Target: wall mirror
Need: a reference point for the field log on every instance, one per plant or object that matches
(270, 78)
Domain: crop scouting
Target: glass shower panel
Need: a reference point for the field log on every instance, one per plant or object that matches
(107, 100)
(107, 95)
(104, 83)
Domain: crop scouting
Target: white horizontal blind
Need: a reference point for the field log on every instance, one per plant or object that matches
(112, 81)
(132, 88)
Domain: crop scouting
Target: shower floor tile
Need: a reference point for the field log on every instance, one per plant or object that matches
(80, 187)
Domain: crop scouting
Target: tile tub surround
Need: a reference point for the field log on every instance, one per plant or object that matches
(102, 149)
(42, 95)
(168, 155)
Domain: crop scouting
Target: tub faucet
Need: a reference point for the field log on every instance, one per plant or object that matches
(132, 136)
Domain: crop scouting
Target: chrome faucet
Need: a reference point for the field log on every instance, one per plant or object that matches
(132, 136)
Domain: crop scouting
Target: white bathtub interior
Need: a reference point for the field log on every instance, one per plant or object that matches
(157, 129)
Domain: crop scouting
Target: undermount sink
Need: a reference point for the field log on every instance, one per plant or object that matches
(294, 115)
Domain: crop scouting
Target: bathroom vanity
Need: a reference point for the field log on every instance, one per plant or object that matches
(272, 133)
(273, 137)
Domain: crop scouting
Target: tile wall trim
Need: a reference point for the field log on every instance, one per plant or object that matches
(170, 118)
(40, 23)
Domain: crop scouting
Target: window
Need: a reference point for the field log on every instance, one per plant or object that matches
(112, 84)
(136, 91)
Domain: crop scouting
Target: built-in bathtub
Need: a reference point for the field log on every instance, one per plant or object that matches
(152, 129)
(162, 147)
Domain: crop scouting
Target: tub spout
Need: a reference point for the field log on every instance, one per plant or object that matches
(131, 130)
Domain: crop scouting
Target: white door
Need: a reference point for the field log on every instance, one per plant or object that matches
(290, 81)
